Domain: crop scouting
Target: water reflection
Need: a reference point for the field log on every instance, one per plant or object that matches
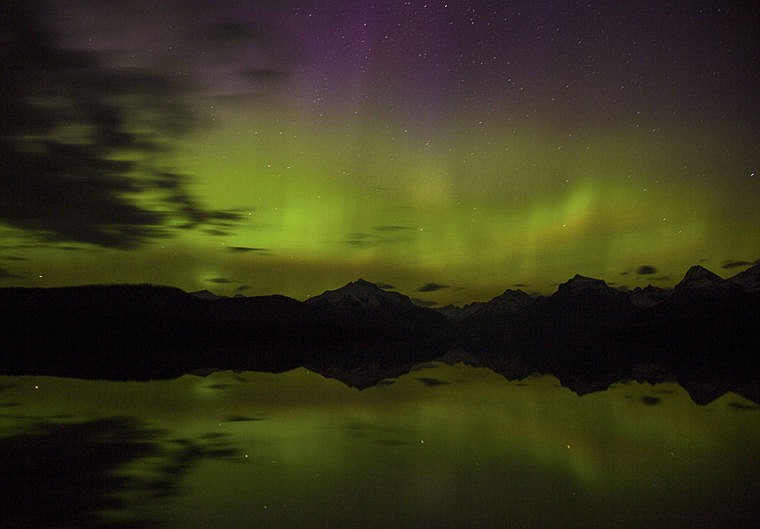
(74, 474)
(445, 446)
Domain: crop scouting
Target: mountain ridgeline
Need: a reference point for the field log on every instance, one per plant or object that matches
(704, 333)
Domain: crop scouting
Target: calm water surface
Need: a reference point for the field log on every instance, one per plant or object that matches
(444, 446)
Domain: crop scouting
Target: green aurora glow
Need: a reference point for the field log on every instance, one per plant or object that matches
(327, 206)
(477, 198)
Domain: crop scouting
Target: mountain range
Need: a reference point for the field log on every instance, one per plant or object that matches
(703, 333)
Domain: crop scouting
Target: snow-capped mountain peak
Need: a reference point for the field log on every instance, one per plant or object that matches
(700, 277)
(360, 292)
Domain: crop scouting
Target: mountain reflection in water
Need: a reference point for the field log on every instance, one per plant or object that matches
(444, 446)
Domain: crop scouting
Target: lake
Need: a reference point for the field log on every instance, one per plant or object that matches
(444, 446)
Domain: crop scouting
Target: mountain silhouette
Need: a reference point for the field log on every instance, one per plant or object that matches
(699, 277)
(749, 280)
(704, 333)
(205, 294)
(366, 304)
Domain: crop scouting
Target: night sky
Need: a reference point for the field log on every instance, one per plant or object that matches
(449, 149)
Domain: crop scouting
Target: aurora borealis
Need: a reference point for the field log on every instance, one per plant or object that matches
(450, 149)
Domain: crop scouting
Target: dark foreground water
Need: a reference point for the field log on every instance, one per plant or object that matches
(441, 447)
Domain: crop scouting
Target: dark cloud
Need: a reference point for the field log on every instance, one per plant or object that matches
(661, 278)
(14, 258)
(29, 246)
(242, 288)
(361, 243)
(736, 263)
(624, 273)
(645, 270)
(220, 280)
(37, 246)
(216, 232)
(232, 53)
(246, 249)
(242, 418)
(363, 240)
(519, 285)
(385, 286)
(5, 274)
(80, 140)
(431, 287)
